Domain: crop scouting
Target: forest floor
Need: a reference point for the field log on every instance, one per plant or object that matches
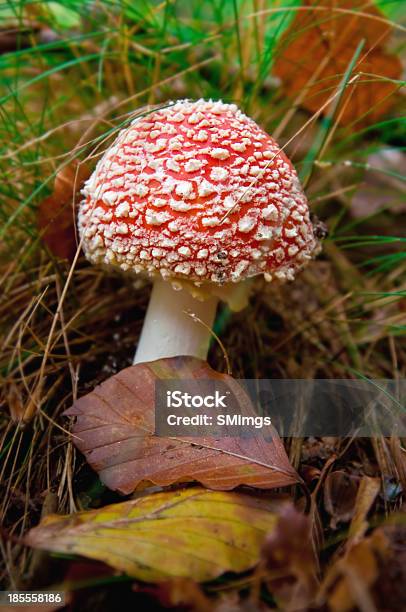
(327, 84)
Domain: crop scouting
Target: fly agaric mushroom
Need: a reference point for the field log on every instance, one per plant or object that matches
(197, 196)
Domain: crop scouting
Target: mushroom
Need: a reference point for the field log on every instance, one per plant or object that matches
(198, 197)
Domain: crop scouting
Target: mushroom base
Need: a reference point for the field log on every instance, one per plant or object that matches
(175, 324)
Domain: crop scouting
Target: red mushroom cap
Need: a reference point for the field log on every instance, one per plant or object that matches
(197, 191)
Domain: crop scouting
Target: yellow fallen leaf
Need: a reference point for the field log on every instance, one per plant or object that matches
(194, 533)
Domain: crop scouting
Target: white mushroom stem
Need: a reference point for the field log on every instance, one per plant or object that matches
(175, 324)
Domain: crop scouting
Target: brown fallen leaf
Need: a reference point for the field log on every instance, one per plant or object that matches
(193, 533)
(340, 492)
(81, 576)
(366, 495)
(317, 48)
(56, 213)
(291, 561)
(389, 590)
(357, 578)
(115, 431)
(185, 594)
(178, 593)
(348, 583)
(235, 602)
